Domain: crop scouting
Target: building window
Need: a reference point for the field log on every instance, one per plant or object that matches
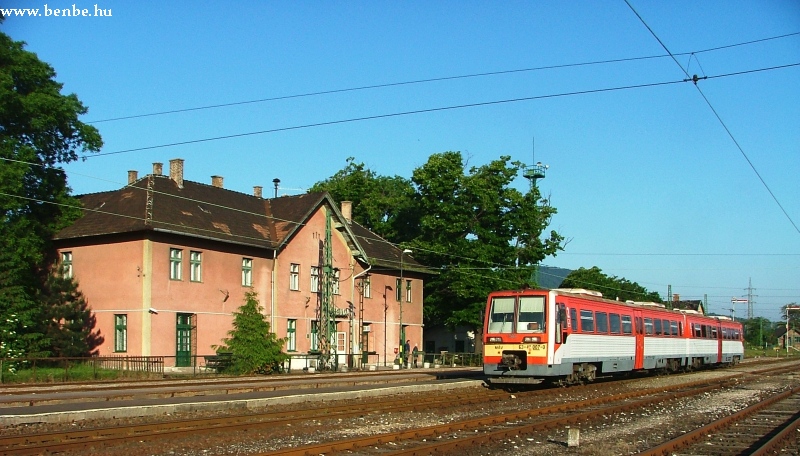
(367, 284)
(314, 335)
(195, 263)
(291, 336)
(335, 281)
(120, 333)
(175, 258)
(408, 291)
(66, 264)
(315, 279)
(247, 272)
(398, 289)
(294, 276)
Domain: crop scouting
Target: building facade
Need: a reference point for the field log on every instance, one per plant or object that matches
(164, 262)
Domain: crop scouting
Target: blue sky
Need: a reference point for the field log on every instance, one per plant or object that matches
(647, 182)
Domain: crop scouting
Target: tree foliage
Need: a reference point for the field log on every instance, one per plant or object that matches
(254, 347)
(39, 129)
(70, 324)
(470, 226)
(612, 287)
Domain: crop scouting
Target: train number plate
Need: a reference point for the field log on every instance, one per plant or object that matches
(530, 349)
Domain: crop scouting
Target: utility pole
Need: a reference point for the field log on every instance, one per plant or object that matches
(750, 297)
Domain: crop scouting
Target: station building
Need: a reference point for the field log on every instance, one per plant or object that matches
(164, 262)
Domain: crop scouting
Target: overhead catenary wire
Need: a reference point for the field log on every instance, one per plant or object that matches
(438, 79)
(423, 111)
(716, 114)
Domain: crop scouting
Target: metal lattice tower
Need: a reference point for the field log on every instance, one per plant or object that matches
(327, 311)
(750, 297)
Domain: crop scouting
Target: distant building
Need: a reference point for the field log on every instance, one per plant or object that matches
(793, 339)
(690, 305)
(163, 263)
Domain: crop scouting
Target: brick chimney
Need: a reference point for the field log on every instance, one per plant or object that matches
(176, 171)
(347, 211)
(133, 176)
(216, 181)
(157, 168)
(257, 191)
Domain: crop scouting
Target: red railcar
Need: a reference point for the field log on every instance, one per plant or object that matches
(570, 336)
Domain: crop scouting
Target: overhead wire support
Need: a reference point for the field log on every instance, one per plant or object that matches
(716, 114)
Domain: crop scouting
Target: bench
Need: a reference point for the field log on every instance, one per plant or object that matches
(219, 362)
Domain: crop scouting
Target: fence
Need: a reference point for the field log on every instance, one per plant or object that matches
(48, 370)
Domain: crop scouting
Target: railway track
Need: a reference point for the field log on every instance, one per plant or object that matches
(488, 428)
(758, 430)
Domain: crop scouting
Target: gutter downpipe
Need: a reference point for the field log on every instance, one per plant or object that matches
(353, 330)
(272, 292)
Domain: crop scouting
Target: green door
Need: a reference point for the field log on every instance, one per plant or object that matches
(183, 351)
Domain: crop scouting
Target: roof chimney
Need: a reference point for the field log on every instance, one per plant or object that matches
(257, 191)
(133, 176)
(347, 211)
(676, 297)
(157, 168)
(216, 181)
(176, 171)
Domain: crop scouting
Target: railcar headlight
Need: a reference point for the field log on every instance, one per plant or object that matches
(530, 340)
(495, 340)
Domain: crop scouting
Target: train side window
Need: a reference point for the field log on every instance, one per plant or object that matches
(602, 322)
(706, 332)
(657, 326)
(587, 321)
(714, 332)
(697, 330)
(627, 327)
(613, 323)
(674, 327)
(648, 326)
(573, 315)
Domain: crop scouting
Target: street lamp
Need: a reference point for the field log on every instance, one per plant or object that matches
(786, 337)
(402, 291)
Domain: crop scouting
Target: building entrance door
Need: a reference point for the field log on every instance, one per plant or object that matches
(183, 350)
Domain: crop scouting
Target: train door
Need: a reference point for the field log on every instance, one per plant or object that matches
(638, 331)
(719, 343)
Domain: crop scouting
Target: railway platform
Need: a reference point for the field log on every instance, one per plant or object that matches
(75, 402)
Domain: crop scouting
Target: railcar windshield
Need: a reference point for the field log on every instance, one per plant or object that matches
(501, 315)
(531, 314)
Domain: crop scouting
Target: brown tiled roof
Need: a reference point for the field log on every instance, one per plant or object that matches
(209, 212)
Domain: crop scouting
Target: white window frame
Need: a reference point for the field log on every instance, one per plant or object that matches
(291, 335)
(367, 284)
(294, 277)
(316, 272)
(336, 282)
(408, 290)
(175, 264)
(66, 264)
(247, 272)
(195, 266)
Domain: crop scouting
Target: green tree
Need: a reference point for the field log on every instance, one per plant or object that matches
(70, 323)
(793, 314)
(39, 129)
(612, 287)
(758, 331)
(471, 227)
(255, 349)
(480, 232)
(380, 203)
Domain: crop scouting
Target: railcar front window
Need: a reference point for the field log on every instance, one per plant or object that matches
(501, 315)
(531, 314)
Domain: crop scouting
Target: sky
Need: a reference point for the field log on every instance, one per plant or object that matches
(677, 186)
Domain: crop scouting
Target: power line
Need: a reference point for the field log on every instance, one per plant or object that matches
(439, 79)
(413, 112)
(716, 114)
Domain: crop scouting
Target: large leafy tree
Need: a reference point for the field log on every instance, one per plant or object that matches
(39, 129)
(380, 203)
(470, 226)
(254, 347)
(612, 287)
